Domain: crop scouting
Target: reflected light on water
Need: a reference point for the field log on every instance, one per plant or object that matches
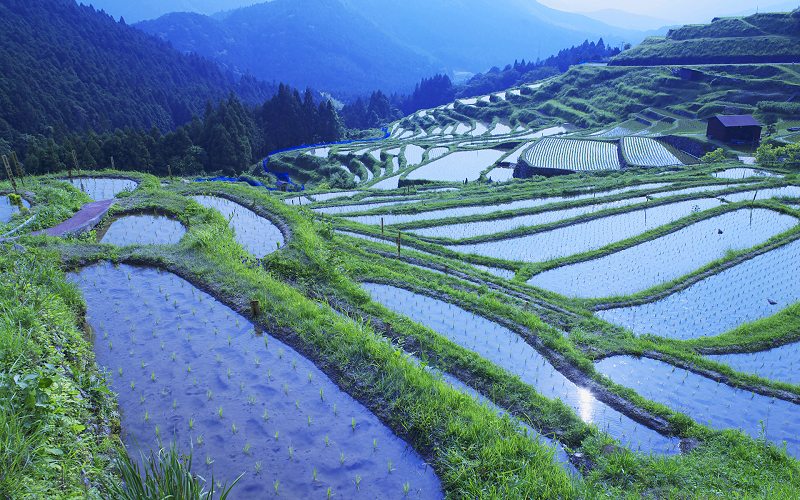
(587, 405)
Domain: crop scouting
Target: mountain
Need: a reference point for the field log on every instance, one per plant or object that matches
(319, 43)
(67, 68)
(760, 38)
(628, 20)
(350, 46)
(140, 10)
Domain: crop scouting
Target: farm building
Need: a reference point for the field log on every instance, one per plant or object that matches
(735, 129)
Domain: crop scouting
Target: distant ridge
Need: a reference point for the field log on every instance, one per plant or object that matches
(760, 38)
(68, 68)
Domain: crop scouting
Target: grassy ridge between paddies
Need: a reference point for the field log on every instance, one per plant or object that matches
(720, 466)
(475, 452)
(57, 417)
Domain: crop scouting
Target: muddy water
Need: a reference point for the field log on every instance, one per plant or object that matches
(506, 349)
(143, 230)
(177, 358)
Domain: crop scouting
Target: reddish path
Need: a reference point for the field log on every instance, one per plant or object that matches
(85, 220)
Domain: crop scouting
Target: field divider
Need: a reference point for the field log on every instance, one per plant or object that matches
(686, 282)
(557, 359)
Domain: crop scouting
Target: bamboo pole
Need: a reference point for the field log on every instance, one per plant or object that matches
(10, 173)
(18, 167)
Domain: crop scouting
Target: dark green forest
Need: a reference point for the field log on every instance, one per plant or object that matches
(66, 67)
(228, 139)
(74, 79)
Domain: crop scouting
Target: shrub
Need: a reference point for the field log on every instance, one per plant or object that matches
(716, 156)
(166, 474)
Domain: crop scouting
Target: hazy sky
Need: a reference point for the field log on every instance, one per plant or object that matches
(671, 10)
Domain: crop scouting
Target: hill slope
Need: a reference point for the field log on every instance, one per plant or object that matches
(140, 10)
(348, 46)
(318, 43)
(71, 68)
(760, 38)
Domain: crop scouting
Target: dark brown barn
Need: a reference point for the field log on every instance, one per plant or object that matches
(735, 129)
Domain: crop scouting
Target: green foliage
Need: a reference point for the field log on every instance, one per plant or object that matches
(716, 156)
(50, 439)
(166, 474)
(769, 155)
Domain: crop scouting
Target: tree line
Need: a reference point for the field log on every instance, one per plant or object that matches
(228, 139)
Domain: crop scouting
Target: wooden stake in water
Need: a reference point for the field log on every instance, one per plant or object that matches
(382, 226)
(255, 308)
(398, 243)
(9, 173)
(18, 167)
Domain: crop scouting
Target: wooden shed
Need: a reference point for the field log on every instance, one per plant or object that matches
(735, 129)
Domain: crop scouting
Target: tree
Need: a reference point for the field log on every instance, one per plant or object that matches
(716, 156)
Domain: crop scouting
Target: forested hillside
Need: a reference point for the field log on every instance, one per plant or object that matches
(66, 68)
(228, 139)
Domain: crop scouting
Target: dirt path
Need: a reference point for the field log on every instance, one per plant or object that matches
(86, 218)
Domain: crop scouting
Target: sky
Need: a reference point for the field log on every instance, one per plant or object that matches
(675, 11)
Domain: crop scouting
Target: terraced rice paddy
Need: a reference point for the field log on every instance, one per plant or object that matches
(99, 188)
(559, 453)
(436, 153)
(387, 184)
(744, 173)
(482, 228)
(586, 236)
(256, 234)
(715, 404)
(501, 129)
(501, 174)
(666, 258)
(647, 152)
(506, 349)
(188, 369)
(479, 130)
(323, 197)
(468, 210)
(413, 155)
(459, 166)
(500, 273)
(764, 194)
(779, 364)
(321, 152)
(570, 154)
(7, 209)
(754, 289)
(345, 209)
(142, 230)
